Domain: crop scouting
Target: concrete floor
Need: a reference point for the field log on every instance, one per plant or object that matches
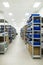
(17, 54)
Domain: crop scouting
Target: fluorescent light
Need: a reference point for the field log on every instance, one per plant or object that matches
(36, 4)
(6, 4)
(12, 19)
(10, 14)
(27, 14)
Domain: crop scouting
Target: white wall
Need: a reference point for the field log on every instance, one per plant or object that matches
(41, 12)
(1, 16)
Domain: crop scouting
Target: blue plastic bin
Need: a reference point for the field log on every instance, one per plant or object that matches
(36, 28)
(36, 35)
(36, 21)
(30, 35)
(36, 43)
(35, 15)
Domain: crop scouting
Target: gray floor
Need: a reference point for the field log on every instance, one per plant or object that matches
(17, 54)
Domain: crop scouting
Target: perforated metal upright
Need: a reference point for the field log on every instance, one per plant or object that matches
(42, 35)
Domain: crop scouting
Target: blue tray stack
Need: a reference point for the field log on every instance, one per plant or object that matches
(33, 34)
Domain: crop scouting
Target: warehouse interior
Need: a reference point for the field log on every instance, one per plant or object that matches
(18, 20)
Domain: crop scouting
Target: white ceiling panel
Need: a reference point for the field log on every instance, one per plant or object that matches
(19, 8)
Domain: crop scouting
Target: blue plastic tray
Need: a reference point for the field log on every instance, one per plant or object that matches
(30, 35)
(35, 14)
(36, 35)
(36, 43)
(36, 28)
(36, 21)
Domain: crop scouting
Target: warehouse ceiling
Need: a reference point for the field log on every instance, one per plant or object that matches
(19, 8)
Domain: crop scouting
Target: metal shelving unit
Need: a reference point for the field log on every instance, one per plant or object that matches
(3, 37)
(11, 32)
(34, 26)
(23, 33)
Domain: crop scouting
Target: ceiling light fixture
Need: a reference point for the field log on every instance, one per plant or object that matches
(36, 4)
(10, 14)
(6, 4)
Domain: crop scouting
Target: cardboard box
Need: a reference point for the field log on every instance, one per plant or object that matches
(1, 39)
(36, 50)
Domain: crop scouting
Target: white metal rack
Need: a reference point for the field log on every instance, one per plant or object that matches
(42, 33)
(35, 45)
(4, 34)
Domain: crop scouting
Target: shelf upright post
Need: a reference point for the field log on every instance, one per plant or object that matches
(32, 38)
(4, 30)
